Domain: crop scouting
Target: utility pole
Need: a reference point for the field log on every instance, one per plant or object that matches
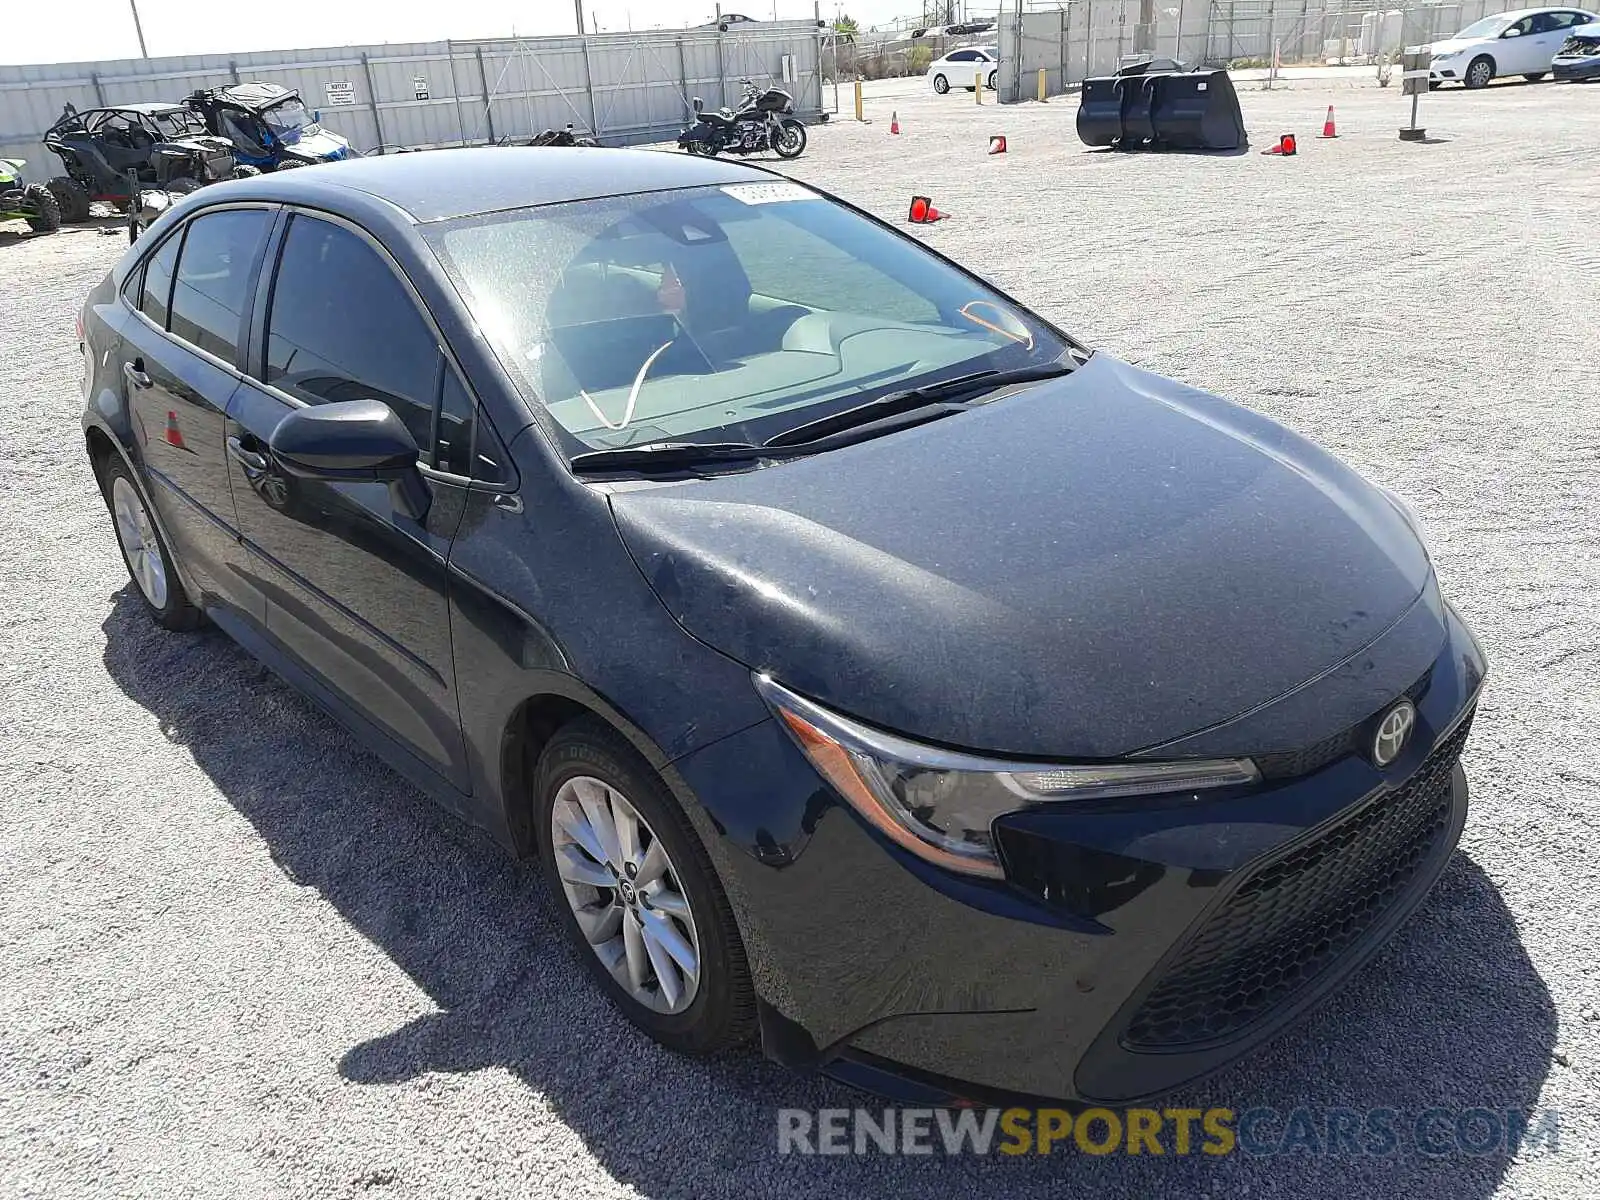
(577, 7)
(138, 28)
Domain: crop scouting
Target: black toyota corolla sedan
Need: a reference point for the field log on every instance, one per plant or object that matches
(872, 668)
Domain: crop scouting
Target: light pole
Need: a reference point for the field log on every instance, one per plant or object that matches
(138, 28)
(577, 7)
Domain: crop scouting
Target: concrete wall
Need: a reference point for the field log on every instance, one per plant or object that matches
(626, 87)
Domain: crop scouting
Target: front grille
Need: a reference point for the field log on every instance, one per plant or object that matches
(1293, 918)
(1294, 763)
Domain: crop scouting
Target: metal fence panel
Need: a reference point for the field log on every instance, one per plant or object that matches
(625, 87)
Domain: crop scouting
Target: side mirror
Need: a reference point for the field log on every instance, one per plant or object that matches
(1513, 32)
(699, 104)
(353, 441)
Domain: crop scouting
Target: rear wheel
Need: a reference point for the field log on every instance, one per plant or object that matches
(941, 84)
(1479, 72)
(791, 140)
(245, 171)
(639, 898)
(47, 213)
(144, 552)
(72, 198)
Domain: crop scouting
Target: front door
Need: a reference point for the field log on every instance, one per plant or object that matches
(355, 585)
(178, 354)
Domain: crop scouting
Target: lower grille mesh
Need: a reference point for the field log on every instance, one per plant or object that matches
(1293, 917)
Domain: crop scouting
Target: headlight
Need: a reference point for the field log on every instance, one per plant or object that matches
(1446, 54)
(940, 805)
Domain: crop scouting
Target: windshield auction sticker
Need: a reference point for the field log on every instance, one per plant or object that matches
(769, 193)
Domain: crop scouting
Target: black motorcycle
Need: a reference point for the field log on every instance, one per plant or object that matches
(764, 121)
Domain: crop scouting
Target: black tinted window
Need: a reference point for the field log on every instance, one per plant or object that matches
(343, 327)
(219, 252)
(158, 281)
(456, 420)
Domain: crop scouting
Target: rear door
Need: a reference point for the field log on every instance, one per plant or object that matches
(179, 353)
(355, 586)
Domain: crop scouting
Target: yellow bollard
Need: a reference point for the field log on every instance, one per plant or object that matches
(1041, 85)
(858, 100)
(977, 85)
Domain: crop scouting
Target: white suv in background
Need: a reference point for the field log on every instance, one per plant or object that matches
(1513, 43)
(959, 68)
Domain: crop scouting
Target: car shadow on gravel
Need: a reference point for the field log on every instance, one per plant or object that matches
(1452, 1015)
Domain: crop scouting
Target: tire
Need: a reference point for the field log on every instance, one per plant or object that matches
(245, 171)
(791, 141)
(993, 78)
(42, 198)
(144, 551)
(71, 197)
(1536, 76)
(941, 85)
(1480, 71)
(588, 765)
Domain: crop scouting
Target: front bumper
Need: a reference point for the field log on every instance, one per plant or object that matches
(1134, 947)
(1576, 68)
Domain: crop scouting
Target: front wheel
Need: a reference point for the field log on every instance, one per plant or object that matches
(71, 197)
(993, 76)
(1536, 76)
(791, 139)
(638, 897)
(941, 84)
(1479, 72)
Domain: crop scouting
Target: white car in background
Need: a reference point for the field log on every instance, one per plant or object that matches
(1512, 43)
(959, 68)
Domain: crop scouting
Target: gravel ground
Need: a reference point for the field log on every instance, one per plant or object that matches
(239, 957)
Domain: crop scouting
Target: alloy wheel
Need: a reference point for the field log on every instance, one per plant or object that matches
(1480, 73)
(625, 894)
(139, 543)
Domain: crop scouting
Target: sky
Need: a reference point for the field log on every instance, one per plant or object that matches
(94, 29)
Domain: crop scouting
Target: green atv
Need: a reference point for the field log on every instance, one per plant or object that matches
(31, 202)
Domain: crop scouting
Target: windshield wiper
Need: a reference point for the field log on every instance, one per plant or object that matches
(669, 456)
(909, 399)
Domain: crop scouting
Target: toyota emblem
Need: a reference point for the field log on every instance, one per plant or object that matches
(1393, 733)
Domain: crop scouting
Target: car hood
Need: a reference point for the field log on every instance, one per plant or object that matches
(1452, 45)
(319, 144)
(1087, 568)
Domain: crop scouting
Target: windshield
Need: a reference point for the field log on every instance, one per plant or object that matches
(721, 314)
(1487, 27)
(287, 120)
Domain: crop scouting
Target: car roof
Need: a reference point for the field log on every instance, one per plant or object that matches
(438, 185)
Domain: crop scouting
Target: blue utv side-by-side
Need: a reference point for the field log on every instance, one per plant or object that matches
(269, 126)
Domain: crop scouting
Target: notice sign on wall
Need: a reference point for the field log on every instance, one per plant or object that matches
(419, 87)
(341, 92)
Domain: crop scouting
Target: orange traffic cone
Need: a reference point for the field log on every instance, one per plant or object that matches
(1285, 145)
(923, 212)
(997, 144)
(1327, 125)
(894, 122)
(173, 435)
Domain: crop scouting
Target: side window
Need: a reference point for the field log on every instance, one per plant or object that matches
(208, 298)
(457, 418)
(158, 280)
(342, 326)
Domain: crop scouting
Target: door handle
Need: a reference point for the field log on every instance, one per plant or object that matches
(248, 459)
(134, 373)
